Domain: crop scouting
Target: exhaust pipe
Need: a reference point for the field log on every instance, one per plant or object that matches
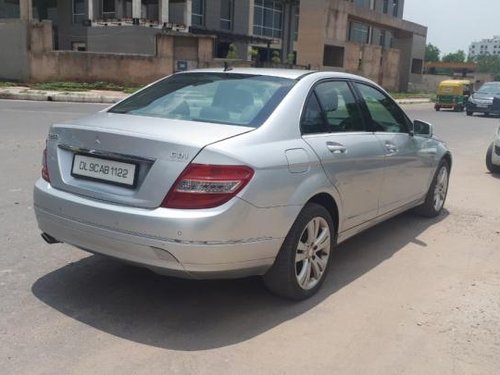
(49, 239)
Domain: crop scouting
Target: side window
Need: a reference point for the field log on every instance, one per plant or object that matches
(339, 106)
(386, 115)
(332, 108)
(312, 121)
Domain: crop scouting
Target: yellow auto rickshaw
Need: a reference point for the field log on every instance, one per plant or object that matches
(453, 94)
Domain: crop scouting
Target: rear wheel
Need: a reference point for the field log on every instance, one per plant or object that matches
(304, 258)
(489, 162)
(436, 195)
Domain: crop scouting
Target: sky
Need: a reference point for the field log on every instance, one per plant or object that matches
(455, 24)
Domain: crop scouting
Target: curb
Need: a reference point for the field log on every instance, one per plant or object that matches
(60, 97)
(413, 101)
(56, 96)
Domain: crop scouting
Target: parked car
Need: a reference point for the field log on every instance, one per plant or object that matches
(224, 174)
(486, 100)
(493, 154)
(453, 94)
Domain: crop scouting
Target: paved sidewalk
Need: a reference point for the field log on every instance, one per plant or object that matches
(100, 96)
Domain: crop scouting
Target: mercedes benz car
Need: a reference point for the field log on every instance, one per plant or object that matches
(486, 100)
(493, 154)
(226, 173)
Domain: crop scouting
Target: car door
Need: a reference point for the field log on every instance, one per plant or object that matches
(351, 156)
(406, 174)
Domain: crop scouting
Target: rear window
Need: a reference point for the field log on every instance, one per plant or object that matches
(226, 98)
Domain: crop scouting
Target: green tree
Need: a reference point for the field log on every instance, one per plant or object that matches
(232, 53)
(276, 59)
(488, 64)
(456, 57)
(432, 53)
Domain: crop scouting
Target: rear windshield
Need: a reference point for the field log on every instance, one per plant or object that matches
(490, 88)
(226, 98)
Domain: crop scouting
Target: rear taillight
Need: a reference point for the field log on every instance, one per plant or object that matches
(45, 169)
(206, 186)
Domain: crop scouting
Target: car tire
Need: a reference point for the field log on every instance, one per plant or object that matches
(437, 108)
(470, 113)
(305, 256)
(436, 195)
(489, 162)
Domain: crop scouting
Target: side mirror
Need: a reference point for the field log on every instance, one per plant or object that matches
(422, 128)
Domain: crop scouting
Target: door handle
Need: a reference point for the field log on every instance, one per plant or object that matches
(391, 148)
(336, 148)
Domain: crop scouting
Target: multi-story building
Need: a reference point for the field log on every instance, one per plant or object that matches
(367, 37)
(485, 47)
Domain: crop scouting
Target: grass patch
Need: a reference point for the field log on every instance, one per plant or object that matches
(83, 86)
(406, 95)
(8, 84)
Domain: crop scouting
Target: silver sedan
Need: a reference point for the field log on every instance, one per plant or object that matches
(229, 173)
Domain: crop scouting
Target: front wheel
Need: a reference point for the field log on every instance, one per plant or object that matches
(304, 258)
(470, 113)
(437, 108)
(489, 161)
(436, 195)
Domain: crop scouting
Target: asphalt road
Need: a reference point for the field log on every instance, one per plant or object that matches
(410, 296)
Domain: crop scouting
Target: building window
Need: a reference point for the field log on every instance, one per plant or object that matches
(417, 66)
(360, 3)
(333, 56)
(10, 9)
(359, 32)
(226, 14)
(296, 19)
(365, 3)
(386, 6)
(108, 9)
(78, 11)
(198, 12)
(268, 16)
(395, 8)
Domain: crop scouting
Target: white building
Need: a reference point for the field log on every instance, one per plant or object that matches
(485, 47)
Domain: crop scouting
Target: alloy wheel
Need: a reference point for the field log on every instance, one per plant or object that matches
(313, 251)
(441, 188)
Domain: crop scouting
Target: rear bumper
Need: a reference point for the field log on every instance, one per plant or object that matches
(233, 240)
(471, 107)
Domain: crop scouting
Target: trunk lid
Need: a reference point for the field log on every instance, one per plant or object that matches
(159, 148)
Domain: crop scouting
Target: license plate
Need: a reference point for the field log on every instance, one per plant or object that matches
(482, 106)
(106, 170)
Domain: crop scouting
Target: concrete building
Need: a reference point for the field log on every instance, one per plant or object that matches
(485, 47)
(367, 37)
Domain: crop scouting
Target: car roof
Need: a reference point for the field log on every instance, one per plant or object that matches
(283, 73)
(455, 82)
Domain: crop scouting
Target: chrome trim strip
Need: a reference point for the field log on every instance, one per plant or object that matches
(105, 154)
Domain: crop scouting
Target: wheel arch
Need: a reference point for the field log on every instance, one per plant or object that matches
(447, 157)
(328, 202)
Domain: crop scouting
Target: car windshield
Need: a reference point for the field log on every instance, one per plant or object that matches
(226, 98)
(490, 88)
